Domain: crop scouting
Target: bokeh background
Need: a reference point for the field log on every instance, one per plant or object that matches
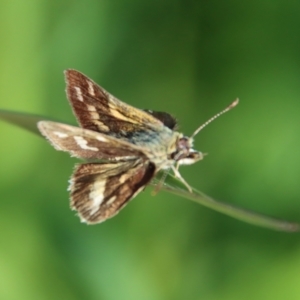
(190, 58)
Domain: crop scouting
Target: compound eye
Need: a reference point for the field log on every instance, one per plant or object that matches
(183, 144)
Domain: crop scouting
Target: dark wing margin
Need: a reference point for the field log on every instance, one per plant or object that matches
(100, 191)
(97, 110)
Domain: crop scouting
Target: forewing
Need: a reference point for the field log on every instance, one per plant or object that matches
(97, 110)
(99, 191)
(84, 143)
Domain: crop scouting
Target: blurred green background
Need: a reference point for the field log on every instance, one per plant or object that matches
(190, 58)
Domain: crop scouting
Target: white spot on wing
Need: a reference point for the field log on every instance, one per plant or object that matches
(78, 93)
(101, 138)
(124, 177)
(123, 158)
(83, 143)
(111, 200)
(91, 88)
(101, 126)
(94, 115)
(97, 195)
(61, 135)
(91, 108)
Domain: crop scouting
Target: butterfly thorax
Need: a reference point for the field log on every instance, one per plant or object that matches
(173, 149)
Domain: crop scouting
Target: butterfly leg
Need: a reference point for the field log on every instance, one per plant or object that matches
(178, 175)
(160, 183)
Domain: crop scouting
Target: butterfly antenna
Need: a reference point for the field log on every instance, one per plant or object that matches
(232, 105)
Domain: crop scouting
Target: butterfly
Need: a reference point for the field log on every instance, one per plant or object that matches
(124, 148)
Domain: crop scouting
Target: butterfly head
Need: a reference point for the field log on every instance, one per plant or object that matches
(185, 154)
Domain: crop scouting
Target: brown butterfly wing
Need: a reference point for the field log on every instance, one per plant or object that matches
(97, 110)
(99, 191)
